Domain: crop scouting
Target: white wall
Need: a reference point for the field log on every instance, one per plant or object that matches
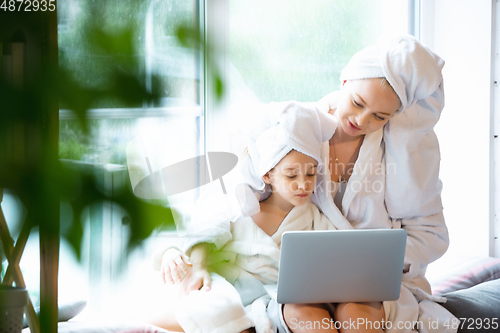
(460, 32)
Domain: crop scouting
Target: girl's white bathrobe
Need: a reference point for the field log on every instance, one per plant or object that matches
(248, 260)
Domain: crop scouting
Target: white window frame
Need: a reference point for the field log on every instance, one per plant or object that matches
(431, 12)
(216, 20)
(494, 226)
(105, 275)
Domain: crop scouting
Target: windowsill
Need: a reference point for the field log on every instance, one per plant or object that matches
(114, 113)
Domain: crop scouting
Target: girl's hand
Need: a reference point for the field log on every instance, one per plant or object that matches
(174, 266)
(197, 278)
(331, 101)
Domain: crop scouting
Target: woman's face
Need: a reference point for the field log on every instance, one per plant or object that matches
(365, 106)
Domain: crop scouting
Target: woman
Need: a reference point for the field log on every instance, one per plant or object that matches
(384, 165)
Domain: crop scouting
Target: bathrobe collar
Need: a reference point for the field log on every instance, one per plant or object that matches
(362, 168)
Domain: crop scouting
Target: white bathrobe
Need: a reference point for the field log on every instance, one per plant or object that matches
(247, 261)
(363, 207)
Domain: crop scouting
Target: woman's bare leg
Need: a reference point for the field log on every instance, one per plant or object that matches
(368, 317)
(308, 318)
(250, 330)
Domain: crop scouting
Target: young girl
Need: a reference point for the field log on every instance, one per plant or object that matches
(285, 158)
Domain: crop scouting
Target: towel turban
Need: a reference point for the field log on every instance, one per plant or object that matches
(290, 125)
(412, 69)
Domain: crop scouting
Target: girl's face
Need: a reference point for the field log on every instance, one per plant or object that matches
(365, 106)
(293, 179)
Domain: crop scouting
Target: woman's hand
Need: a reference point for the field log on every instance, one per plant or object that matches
(174, 266)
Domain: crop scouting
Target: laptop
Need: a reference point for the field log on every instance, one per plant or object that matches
(336, 266)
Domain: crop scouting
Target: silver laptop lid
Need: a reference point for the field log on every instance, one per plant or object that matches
(334, 266)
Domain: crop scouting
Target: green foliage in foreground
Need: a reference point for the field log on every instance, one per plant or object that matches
(36, 175)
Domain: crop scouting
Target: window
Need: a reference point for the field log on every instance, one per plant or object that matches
(267, 51)
(285, 50)
(288, 50)
(163, 132)
(468, 207)
(170, 128)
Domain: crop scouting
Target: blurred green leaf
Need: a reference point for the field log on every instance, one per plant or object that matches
(28, 155)
(190, 37)
(130, 90)
(219, 88)
(26, 166)
(118, 43)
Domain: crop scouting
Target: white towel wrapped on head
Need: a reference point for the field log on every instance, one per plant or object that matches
(296, 126)
(412, 69)
(286, 126)
(290, 125)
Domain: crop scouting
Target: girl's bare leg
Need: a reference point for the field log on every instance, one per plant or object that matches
(308, 318)
(368, 317)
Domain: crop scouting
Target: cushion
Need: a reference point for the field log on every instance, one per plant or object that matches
(106, 327)
(66, 310)
(478, 307)
(467, 275)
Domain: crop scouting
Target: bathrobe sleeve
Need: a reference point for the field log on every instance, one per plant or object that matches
(210, 223)
(413, 192)
(320, 221)
(427, 241)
